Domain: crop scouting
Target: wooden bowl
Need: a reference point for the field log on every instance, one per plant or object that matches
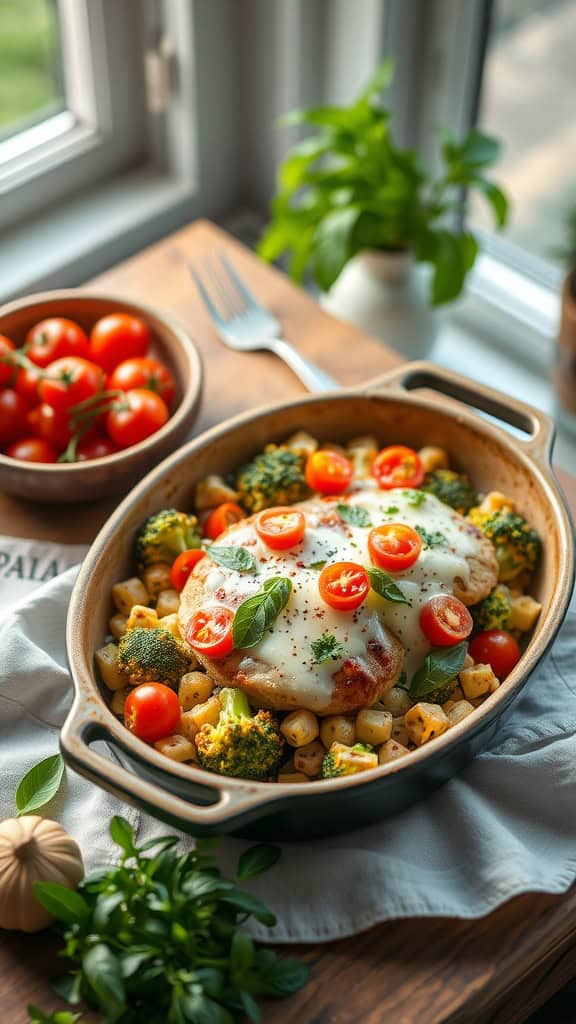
(85, 481)
(415, 405)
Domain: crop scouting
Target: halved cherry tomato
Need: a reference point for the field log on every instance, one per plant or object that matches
(210, 632)
(394, 546)
(281, 528)
(70, 380)
(117, 337)
(398, 466)
(55, 338)
(144, 372)
(152, 711)
(8, 369)
(32, 449)
(221, 518)
(13, 413)
(26, 384)
(183, 566)
(497, 648)
(328, 472)
(444, 620)
(94, 447)
(50, 425)
(344, 585)
(136, 416)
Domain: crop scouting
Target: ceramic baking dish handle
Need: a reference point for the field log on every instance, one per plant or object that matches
(537, 426)
(217, 803)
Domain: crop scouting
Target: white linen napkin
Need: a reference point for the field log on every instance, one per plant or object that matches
(506, 826)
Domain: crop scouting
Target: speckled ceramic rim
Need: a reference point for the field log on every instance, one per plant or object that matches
(90, 718)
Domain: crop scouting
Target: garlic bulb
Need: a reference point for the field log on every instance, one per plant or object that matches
(33, 849)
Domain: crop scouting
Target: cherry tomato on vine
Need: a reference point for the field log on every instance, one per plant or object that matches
(13, 416)
(50, 425)
(445, 620)
(8, 369)
(55, 338)
(146, 373)
(117, 337)
(94, 447)
(151, 711)
(328, 472)
(221, 518)
(344, 585)
(394, 546)
(210, 632)
(32, 449)
(183, 565)
(281, 528)
(70, 380)
(398, 466)
(497, 648)
(135, 416)
(26, 383)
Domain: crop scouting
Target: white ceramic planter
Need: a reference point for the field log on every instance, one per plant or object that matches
(386, 294)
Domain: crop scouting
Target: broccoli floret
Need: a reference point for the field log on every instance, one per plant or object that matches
(454, 489)
(242, 744)
(517, 545)
(343, 760)
(153, 655)
(495, 611)
(274, 477)
(164, 536)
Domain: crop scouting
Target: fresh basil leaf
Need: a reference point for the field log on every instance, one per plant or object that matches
(326, 648)
(232, 557)
(103, 974)
(40, 784)
(383, 583)
(431, 538)
(333, 244)
(355, 515)
(257, 860)
(257, 613)
(440, 666)
(249, 904)
(241, 952)
(64, 904)
(122, 833)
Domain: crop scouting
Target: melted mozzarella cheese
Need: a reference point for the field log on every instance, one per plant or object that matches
(328, 538)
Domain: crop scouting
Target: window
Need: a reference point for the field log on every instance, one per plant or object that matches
(31, 81)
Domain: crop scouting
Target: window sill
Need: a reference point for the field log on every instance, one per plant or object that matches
(83, 237)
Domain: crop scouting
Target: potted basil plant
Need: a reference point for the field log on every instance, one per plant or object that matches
(360, 213)
(565, 364)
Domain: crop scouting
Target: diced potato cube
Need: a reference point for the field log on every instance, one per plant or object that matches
(127, 593)
(433, 458)
(391, 751)
(425, 721)
(156, 577)
(107, 662)
(478, 680)
(206, 713)
(288, 777)
(373, 726)
(300, 728)
(195, 688)
(188, 726)
(525, 611)
(397, 701)
(177, 748)
(168, 603)
(354, 760)
(142, 618)
(213, 491)
(309, 759)
(495, 501)
(362, 451)
(459, 710)
(400, 732)
(117, 625)
(458, 692)
(302, 443)
(170, 622)
(339, 729)
(119, 699)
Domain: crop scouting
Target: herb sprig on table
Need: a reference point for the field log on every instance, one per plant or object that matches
(159, 937)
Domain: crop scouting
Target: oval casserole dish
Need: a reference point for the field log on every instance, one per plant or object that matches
(415, 405)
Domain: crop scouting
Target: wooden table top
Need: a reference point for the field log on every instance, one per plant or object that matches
(498, 969)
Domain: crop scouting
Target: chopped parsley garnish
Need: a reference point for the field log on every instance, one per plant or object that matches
(317, 565)
(391, 510)
(415, 498)
(431, 538)
(326, 648)
(355, 515)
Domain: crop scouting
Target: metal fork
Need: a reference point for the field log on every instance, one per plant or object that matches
(244, 324)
